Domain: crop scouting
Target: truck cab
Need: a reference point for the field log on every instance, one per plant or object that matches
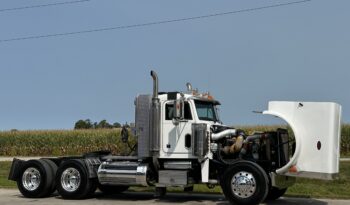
(178, 114)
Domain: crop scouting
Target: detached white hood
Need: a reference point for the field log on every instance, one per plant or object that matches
(316, 126)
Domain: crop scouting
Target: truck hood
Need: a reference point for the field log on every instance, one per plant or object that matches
(316, 127)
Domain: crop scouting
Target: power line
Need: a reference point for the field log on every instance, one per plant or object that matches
(43, 5)
(152, 23)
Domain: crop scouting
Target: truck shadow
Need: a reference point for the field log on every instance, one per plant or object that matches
(296, 201)
(194, 198)
(170, 198)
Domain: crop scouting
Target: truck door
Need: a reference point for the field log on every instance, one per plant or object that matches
(177, 136)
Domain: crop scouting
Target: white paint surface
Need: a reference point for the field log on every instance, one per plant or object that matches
(312, 122)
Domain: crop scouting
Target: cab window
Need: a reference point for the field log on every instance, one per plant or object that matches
(206, 110)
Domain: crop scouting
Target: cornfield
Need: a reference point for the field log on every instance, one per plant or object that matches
(61, 142)
(345, 140)
(76, 142)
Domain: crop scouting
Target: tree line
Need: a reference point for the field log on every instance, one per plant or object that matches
(88, 124)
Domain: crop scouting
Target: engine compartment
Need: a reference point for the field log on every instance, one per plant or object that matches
(271, 150)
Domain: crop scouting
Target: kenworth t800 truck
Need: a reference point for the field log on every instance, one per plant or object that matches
(182, 142)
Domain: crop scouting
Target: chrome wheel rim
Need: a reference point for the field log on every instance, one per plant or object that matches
(243, 184)
(70, 179)
(31, 179)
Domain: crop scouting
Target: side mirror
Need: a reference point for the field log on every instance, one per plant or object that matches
(179, 109)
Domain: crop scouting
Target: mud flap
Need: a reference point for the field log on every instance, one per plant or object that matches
(316, 127)
(15, 169)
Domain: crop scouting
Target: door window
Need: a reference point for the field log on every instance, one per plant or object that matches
(169, 111)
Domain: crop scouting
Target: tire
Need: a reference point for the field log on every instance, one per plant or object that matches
(54, 168)
(275, 193)
(110, 189)
(256, 179)
(36, 179)
(81, 186)
(160, 192)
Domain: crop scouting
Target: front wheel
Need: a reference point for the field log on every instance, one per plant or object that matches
(245, 183)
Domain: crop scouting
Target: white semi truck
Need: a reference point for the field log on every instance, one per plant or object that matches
(182, 142)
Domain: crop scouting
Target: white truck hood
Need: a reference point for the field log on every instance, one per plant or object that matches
(316, 126)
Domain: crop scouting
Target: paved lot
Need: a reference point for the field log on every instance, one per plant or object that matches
(12, 196)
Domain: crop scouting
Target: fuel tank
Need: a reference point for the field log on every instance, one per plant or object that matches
(123, 173)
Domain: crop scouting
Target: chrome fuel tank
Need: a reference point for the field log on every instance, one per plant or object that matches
(123, 173)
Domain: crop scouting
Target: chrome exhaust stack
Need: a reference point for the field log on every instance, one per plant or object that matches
(155, 118)
(155, 84)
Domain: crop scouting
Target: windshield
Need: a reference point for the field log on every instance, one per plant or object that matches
(206, 111)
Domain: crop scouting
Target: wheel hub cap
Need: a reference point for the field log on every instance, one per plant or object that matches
(70, 179)
(243, 184)
(31, 179)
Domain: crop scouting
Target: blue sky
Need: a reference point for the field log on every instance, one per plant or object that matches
(299, 52)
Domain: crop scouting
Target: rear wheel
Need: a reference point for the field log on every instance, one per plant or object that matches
(110, 189)
(73, 181)
(245, 183)
(275, 193)
(54, 168)
(36, 179)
